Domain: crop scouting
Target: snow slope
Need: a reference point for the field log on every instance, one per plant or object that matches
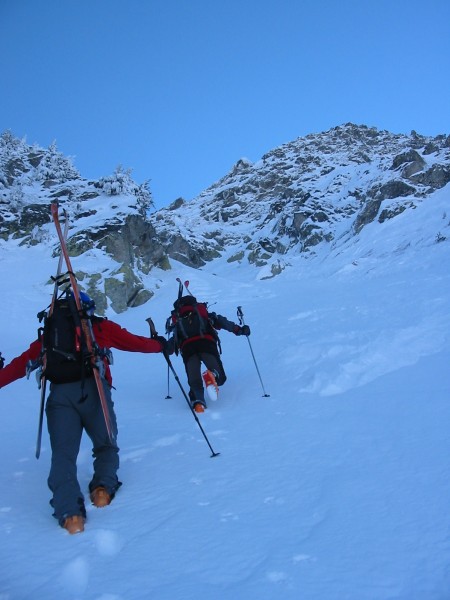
(334, 487)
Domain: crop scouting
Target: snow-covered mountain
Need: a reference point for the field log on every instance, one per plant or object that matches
(309, 197)
(334, 486)
(323, 188)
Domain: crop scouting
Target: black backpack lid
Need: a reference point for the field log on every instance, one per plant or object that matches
(185, 301)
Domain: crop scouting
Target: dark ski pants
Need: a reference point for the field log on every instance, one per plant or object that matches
(193, 366)
(68, 414)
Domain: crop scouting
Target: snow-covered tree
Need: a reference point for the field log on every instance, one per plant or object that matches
(121, 182)
(144, 197)
(13, 158)
(56, 167)
(9, 143)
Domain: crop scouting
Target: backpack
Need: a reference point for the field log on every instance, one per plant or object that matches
(65, 355)
(190, 319)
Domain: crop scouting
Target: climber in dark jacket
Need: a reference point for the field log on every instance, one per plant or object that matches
(195, 337)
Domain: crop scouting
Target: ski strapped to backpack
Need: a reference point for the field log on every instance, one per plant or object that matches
(42, 381)
(93, 357)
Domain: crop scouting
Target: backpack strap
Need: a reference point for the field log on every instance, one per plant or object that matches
(80, 341)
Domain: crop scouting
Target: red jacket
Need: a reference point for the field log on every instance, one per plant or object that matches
(107, 335)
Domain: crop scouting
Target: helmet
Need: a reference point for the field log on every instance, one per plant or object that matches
(87, 303)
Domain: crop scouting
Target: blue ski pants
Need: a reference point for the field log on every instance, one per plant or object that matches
(71, 409)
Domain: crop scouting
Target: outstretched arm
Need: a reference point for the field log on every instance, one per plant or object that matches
(17, 368)
(221, 322)
(111, 335)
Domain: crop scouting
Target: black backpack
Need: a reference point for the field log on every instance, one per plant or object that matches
(190, 319)
(65, 355)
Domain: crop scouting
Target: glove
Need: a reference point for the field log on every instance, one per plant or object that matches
(162, 340)
(170, 346)
(244, 330)
(166, 345)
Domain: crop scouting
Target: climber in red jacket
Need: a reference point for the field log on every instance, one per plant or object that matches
(70, 411)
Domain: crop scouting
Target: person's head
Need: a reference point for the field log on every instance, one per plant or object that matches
(87, 304)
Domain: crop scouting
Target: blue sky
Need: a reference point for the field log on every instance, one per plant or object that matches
(178, 91)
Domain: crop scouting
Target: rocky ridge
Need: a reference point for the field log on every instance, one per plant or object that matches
(317, 190)
(307, 192)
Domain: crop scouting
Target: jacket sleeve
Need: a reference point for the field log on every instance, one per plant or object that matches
(220, 322)
(111, 335)
(17, 368)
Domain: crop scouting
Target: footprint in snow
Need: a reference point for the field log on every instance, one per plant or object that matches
(75, 577)
(299, 558)
(214, 415)
(135, 455)
(228, 516)
(272, 500)
(276, 576)
(167, 441)
(108, 543)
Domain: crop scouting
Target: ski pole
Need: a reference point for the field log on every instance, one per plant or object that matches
(41, 417)
(154, 334)
(240, 314)
(168, 397)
